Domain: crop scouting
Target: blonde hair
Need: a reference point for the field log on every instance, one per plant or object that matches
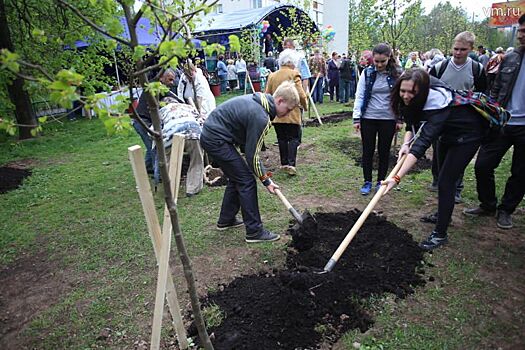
(230, 61)
(466, 38)
(288, 92)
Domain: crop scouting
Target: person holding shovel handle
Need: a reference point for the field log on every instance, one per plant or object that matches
(427, 104)
(245, 120)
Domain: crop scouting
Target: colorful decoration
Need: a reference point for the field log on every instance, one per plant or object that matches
(265, 26)
(328, 33)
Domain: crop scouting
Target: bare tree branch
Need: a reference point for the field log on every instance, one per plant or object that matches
(37, 67)
(92, 24)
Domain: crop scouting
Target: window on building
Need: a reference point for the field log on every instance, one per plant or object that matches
(218, 8)
(256, 4)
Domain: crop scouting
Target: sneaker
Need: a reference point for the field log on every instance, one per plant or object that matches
(504, 220)
(478, 211)
(378, 185)
(457, 198)
(367, 187)
(235, 223)
(291, 170)
(263, 236)
(433, 241)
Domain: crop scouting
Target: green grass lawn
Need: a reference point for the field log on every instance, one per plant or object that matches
(80, 211)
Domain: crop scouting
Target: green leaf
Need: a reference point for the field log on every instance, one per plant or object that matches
(42, 119)
(113, 26)
(156, 88)
(139, 52)
(235, 44)
(9, 60)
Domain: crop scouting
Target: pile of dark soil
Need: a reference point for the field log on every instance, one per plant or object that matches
(12, 177)
(332, 118)
(295, 308)
(352, 147)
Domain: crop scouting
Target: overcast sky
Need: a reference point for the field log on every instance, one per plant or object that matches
(478, 7)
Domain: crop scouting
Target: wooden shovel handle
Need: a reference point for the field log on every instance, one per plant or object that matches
(288, 206)
(353, 231)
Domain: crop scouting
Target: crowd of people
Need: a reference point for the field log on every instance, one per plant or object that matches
(419, 91)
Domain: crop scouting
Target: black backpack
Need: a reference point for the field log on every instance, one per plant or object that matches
(476, 71)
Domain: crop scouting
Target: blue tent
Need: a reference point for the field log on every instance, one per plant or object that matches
(143, 34)
(217, 27)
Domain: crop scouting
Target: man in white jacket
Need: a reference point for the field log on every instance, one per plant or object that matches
(194, 89)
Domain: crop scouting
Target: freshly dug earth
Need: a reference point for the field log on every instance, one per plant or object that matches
(352, 147)
(11, 178)
(332, 118)
(295, 308)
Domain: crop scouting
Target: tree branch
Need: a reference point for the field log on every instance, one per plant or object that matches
(37, 67)
(91, 23)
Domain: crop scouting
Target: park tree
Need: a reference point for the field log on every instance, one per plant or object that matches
(43, 35)
(362, 25)
(398, 17)
(174, 19)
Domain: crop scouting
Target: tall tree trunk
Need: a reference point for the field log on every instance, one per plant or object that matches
(24, 114)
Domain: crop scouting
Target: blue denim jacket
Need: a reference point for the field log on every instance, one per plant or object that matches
(364, 91)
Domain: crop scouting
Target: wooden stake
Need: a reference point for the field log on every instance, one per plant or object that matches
(250, 80)
(152, 221)
(177, 149)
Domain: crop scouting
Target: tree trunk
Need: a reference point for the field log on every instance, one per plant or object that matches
(24, 114)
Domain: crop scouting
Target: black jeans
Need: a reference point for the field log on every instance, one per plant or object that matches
(241, 188)
(455, 160)
(489, 157)
(383, 131)
(333, 89)
(288, 136)
(437, 161)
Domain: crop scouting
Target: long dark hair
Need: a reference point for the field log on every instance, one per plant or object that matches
(421, 80)
(384, 49)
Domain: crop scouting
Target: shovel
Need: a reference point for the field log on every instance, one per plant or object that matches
(299, 218)
(353, 231)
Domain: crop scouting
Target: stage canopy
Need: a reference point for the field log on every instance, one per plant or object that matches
(215, 28)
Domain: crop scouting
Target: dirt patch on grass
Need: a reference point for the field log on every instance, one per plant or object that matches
(294, 308)
(28, 286)
(13, 174)
(329, 119)
(351, 146)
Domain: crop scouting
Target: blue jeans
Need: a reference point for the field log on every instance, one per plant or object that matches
(242, 78)
(346, 89)
(317, 93)
(150, 154)
(224, 83)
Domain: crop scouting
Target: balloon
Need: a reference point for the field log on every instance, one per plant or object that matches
(328, 33)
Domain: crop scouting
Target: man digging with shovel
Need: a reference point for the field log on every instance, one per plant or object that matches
(245, 120)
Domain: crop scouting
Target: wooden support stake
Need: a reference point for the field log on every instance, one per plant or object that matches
(315, 110)
(177, 150)
(152, 221)
(250, 80)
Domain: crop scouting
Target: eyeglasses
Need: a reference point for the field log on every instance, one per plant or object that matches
(460, 49)
(522, 30)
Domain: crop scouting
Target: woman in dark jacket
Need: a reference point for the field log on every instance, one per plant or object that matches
(425, 105)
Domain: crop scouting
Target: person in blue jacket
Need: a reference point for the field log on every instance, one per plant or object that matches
(372, 115)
